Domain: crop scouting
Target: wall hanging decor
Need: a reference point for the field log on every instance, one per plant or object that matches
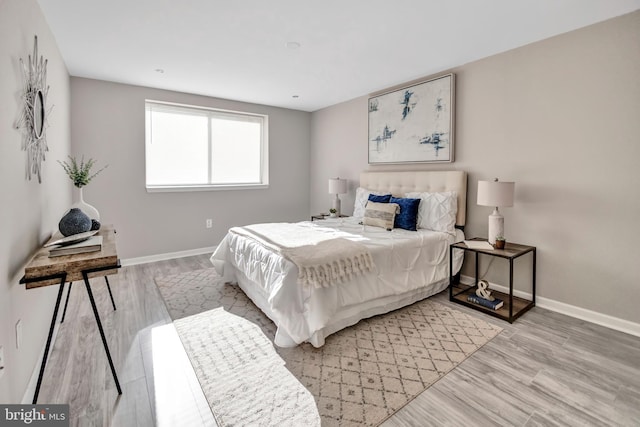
(414, 124)
(34, 112)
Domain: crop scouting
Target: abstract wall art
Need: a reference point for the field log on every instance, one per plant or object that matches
(414, 124)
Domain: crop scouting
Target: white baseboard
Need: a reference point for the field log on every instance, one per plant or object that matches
(570, 310)
(164, 257)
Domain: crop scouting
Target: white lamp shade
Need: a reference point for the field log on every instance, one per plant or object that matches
(337, 186)
(495, 193)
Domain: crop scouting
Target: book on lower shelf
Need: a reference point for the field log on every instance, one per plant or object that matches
(494, 305)
(92, 244)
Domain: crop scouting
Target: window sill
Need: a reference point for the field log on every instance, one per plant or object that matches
(181, 188)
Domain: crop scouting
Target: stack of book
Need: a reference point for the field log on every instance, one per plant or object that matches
(92, 244)
(493, 305)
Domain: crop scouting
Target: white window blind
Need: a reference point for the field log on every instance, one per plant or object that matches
(194, 148)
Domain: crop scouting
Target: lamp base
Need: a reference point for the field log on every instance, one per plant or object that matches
(496, 226)
(336, 205)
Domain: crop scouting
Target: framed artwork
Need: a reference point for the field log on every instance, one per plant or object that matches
(413, 124)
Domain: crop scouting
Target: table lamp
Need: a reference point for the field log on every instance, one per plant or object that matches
(497, 194)
(337, 186)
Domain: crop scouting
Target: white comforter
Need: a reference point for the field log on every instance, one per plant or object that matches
(322, 256)
(405, 262)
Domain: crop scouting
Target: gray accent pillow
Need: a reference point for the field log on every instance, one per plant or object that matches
(380, 214)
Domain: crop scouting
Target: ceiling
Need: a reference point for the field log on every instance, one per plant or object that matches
(347, 48)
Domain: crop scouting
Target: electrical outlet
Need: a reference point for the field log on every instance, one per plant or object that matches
(209, 223)
(18, 333)
(1, 361)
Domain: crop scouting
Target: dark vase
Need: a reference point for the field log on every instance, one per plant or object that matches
(74, 222)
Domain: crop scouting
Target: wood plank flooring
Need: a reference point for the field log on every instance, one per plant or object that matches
(546, 369)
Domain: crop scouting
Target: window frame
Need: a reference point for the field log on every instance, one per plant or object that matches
(209, 112)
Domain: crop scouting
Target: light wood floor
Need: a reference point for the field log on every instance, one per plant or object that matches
(546, 369)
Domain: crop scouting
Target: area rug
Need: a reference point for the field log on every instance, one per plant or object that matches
(361, 376)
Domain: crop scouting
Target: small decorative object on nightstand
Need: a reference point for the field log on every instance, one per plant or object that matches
(333, 213)
(500, 242)
(474, 295)
(483, 290)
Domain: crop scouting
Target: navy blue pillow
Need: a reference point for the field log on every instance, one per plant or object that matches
(408, 216)
(380, 199)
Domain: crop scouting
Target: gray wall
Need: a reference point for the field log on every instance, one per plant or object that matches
(30, 211)
(108, 124)
(558, 117)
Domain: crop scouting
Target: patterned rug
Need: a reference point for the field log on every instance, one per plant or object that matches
(361, 376)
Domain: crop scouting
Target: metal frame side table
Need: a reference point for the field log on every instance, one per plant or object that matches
(45, 271)
(513, 307)
(322, 216)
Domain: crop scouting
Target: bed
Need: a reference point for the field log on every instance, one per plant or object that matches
(408, 265)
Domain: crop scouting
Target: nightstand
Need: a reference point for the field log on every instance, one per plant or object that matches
(323, 216)
(513, 307)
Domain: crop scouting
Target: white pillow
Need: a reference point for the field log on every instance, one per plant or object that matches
(437, 211)
(362, 197)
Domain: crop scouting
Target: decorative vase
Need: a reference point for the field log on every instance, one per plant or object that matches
(75, 221)
(85, 207)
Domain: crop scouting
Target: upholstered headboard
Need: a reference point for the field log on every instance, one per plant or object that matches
(399, 183)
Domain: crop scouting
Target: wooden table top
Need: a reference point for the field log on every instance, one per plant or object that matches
(511, 250)
(41, 265)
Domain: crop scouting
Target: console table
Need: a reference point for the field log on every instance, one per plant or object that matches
(45, 271)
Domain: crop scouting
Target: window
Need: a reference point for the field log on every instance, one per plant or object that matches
(193, 148)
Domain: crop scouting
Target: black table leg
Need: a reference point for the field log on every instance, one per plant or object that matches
(63, 279)
(104, 340)
(450, 272)
(113, 303)
(511, 290)
(66, 303)
(534, 277)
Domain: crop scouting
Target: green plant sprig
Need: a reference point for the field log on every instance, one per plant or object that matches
(80, 174)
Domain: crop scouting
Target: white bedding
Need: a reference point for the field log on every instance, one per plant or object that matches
(409, 265)
(322, 256)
